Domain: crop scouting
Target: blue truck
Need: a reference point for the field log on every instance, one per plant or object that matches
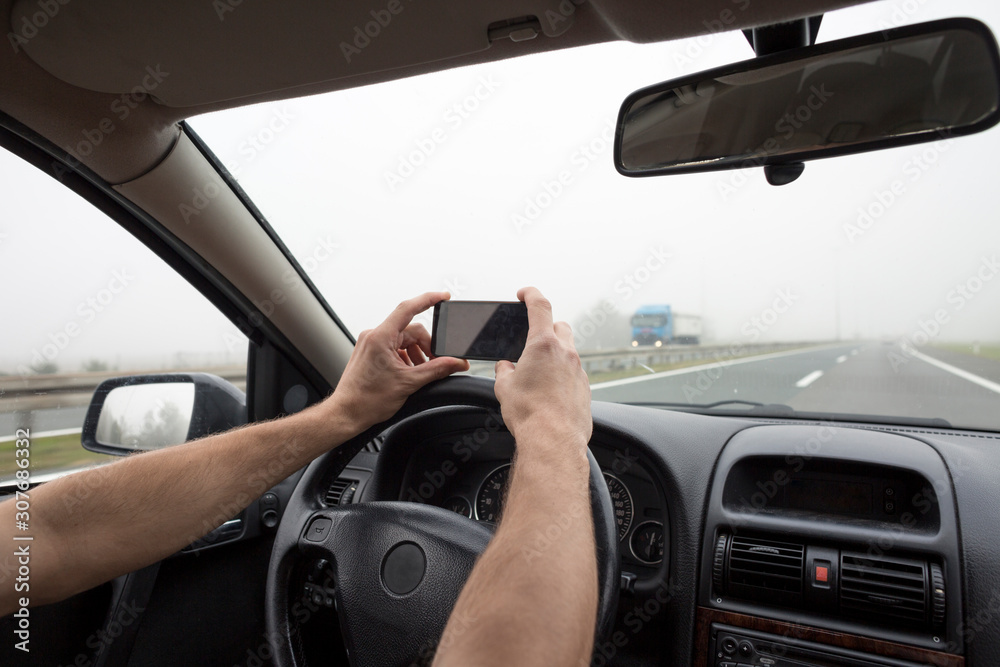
(658, 325)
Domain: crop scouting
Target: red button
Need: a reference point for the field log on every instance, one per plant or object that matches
(821, 573)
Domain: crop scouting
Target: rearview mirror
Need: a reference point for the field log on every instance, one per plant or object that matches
(901, 86)
(146, 412)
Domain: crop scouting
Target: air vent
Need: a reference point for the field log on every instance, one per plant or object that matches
(341, 491)
(886, 587)
(765, 569)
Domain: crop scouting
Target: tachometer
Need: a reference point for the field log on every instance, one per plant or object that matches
(489, 500)
(622, 501)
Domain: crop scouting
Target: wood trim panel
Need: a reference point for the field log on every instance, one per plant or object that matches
(705, 617)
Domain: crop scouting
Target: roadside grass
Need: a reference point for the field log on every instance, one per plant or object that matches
(637, 371)
(988, 351)
(49, 454)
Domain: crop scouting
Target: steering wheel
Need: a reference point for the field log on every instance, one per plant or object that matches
(399, 566)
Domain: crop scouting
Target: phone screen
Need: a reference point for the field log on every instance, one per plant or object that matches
(490, 330)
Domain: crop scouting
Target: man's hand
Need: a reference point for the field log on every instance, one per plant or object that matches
(548, 393)
(531, 598)
(391, 362)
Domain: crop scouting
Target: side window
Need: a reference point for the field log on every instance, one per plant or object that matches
(83, 300)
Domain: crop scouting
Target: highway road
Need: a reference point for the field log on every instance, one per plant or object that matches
(869, 378)
(44, 420)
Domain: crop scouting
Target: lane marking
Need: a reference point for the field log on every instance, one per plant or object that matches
(44, 434)
(713, 364)
(841, 359)
(965, 375)
(809, 379)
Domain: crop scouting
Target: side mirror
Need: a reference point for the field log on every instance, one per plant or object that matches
(146, 412)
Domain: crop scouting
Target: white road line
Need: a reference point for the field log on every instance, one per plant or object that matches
(809, 379)
(44, 434)
(965, 375)
(841, 359)
(714, 364)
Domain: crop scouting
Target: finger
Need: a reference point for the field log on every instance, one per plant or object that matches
(416, 354)
(406, 311)
(436, 368)
(539, 310)
(404, 356)
(503, 369)
(416, 334)
(564, 332)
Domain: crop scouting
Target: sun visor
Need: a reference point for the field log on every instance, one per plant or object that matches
(194, 52)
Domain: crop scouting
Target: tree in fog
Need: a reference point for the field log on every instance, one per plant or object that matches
(45, 367)
(165, 425)
(95, 365)
(603, 326)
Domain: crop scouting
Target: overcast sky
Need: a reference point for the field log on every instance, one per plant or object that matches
(387, 191)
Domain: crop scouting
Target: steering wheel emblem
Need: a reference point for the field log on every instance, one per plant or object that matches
(403, 568)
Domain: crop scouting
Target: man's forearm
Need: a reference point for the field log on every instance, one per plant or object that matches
(139, 510)
(532, 597)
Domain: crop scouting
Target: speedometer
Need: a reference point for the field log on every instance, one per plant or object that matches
(622, 501)
(489, 500)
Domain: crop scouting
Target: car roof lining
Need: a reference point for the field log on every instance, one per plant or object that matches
(71, 72)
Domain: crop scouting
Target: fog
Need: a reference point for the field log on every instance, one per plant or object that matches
(482, 180)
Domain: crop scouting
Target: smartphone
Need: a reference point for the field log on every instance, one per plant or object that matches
(486, 330)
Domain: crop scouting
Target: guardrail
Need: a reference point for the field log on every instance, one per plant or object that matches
(604, 361)
(47, 392)
(69, 390)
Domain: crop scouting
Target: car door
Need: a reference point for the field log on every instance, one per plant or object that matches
(86, 300)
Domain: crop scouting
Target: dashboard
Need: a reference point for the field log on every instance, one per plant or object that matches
(763, 543)
(445, 472)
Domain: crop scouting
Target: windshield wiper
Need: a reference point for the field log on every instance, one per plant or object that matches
(752, 406)
(757, 409)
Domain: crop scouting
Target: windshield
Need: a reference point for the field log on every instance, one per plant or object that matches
(649, 320)
(866, 287)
